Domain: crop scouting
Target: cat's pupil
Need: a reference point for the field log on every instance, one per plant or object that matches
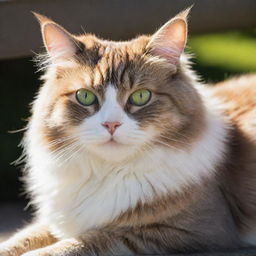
(85, 95)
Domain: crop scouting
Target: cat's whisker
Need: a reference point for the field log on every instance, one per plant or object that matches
(182, 135)
(66, 138)
(59, 141)
(148, 146)
(173, 140)
(62, 147)
(70, 150)
(64, 152)
(76, 150)
(167, 145)
(72, 139)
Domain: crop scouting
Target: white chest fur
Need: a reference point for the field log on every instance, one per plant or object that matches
(87, 193)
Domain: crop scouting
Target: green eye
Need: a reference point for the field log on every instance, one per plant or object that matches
(140, 97)
(85, 97)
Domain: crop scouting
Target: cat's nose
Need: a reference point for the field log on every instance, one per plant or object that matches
(111, 126)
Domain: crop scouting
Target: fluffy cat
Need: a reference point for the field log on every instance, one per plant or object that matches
(127, 153)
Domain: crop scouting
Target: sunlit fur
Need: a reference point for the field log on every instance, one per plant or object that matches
(162, 183)
(92, 179)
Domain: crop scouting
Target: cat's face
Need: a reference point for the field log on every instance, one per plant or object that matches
(117, 99)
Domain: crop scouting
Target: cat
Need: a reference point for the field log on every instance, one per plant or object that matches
(128, 153)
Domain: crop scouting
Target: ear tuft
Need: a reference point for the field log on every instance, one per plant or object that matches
(42, 19)
(170, 40)
(184, 14)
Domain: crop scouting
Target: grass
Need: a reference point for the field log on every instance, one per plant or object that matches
(220, 55)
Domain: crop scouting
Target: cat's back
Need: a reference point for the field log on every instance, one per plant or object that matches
(238, 99)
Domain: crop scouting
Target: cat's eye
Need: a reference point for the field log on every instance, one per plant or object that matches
(86, 97)
(140, 97)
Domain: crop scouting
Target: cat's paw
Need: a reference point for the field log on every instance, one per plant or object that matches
(66, 247)
(46, 251)
(12, 248)
(38, 253)
(6, 250)
(42, 252)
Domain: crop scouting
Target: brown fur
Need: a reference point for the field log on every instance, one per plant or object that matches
(30, 238)
(239, 97)
(206, 217)
(127, 65)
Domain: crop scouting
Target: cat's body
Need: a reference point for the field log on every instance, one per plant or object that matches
(172, 173)
(238, 176)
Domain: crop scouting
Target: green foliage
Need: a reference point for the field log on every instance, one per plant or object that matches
(219, 55)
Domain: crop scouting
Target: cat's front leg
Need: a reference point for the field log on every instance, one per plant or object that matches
(30, 238)
(66, 247)
(93, 243)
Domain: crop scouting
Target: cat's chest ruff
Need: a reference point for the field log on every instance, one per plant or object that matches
(89, 194)
(88, 200)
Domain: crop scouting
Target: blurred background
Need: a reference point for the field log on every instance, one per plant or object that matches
(222, 38)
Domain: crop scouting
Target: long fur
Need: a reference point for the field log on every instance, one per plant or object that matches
(177, 174)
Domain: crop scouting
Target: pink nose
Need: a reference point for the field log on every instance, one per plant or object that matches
(111, 126)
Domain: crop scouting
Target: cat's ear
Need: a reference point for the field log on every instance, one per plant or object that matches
(170, 40)
(58, 42)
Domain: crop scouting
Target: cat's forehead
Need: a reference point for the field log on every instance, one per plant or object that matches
(105, 47)
(94, 50)
(103, 62)
(125, 65)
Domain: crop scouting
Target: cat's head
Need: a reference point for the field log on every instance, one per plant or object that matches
(116, 99)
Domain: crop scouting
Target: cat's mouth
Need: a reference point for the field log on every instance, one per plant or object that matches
(112, 142)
